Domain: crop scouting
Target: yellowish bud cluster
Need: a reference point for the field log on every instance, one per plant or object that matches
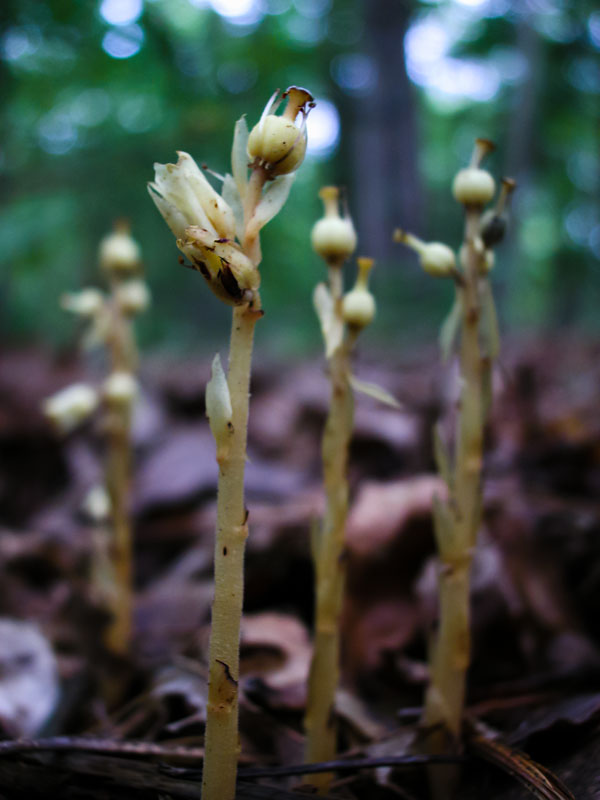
(71, 406)
(119, 252)
(333, 237)
(86, 303)
(133, 296)
(358, 306)
(120, 389)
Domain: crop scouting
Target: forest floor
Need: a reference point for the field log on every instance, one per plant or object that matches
(535, 675)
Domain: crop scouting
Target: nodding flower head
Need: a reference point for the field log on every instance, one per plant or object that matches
(278, 143)
(435, 258)
(184, 197)
(204, 225)
(333, 236)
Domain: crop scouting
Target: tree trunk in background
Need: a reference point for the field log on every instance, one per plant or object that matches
(382, 135)
(522, 149)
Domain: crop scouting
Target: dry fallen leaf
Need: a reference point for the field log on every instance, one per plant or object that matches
(276, 648)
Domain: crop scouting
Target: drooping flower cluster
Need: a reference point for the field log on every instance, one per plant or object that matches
(214, 230)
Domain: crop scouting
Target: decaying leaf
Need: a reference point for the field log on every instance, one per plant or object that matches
(382, 509)
(276, 648)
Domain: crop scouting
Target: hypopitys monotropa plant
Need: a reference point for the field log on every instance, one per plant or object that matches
(342, 317)
(219, 234)
(472, 320)
(110, 320)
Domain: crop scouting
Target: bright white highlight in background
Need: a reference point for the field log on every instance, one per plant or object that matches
(121, 12)
(323, 128)
(427, 45)
(239, 12)
(123, 42)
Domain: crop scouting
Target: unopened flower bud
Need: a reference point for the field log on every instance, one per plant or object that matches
(492, 228)
(71, 406)
(358, 306)
(96, 504)
(120, 389)
(333, 237)
(119, 252)
(278, 143)
(133, 296)
(435, 258)
(218, 408)
(86, 303)
(494, 222)
(474, 186)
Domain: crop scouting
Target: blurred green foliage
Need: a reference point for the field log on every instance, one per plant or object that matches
(95, 92)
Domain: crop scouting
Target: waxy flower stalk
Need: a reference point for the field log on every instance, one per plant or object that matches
(219, 234)
(110, 319)
(457, 517)
(120, 259)
(342, 317)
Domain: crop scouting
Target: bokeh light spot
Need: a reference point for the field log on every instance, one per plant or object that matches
(121, 12)
(323, 128)
(123, 42)
(355, 73)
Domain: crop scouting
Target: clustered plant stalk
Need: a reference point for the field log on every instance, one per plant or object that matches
(457, 517)
(220, 236)
(342, 317)
(111, 324)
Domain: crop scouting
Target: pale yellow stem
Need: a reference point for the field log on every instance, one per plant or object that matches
(319, 723)
(444, 701)
(221, 738)
(123, 354)
(118, 470)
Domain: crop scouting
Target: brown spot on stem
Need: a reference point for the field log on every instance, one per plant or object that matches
(227, 686)
(472, 316)
(224, 551)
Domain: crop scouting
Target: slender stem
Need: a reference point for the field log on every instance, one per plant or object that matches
(221, 738)
(329, 549)
(121, 345)
(118, 470)
(451, 655)
(251, 240)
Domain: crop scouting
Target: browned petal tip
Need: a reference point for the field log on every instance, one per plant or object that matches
(299, 100)
(327, 192)
(509, 184)
(485, 144)
(122, 225)
(298, 92)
